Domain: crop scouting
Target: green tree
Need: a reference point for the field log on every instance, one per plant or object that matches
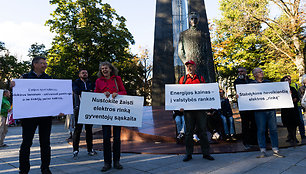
(237, 41)
(146, 75)
(10, 68)
(87, 33)
(37, 50)
(246, 36)
(283, 34)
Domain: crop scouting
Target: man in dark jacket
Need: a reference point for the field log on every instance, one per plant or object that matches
(248, 125)
(29, 125)
(80, 85)
(194, 117)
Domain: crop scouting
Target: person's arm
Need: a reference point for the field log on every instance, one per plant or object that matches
(97, 88)
(121, 89)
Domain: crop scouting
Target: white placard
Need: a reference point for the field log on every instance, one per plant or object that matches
(42, 97)
(124, 110)
(200, 96)
(259, 96)
(1, 96)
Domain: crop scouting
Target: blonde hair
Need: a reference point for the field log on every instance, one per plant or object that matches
(112, 67)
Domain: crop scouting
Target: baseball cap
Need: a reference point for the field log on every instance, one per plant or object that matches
(190, 62)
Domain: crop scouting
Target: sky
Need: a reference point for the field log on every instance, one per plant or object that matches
(22, 22)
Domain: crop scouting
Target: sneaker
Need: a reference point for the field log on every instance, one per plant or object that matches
(262, 155)
(216, 136)
(106, 167)
(92, 153)
(227, 137)
(208, 157)
(4, 145)
(233, 138)
(187, 158)
(180, 136)
(75, 155)
(117, 165)
(196, 138)
(277, 154)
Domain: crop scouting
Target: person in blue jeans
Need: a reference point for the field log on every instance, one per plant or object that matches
(265, 118)
(178, 116)
(226, 114)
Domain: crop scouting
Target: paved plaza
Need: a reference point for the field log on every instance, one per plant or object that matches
(228, 163)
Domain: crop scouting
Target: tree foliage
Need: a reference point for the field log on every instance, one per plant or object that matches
(247, 36)
(10, 68)
(89, 32)
(37, 50)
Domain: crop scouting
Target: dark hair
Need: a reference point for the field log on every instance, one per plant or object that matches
(82, 69)
(5, 91)
(284, 78)
(194, 15)
(242, 68)
(112, 67)
(36, 59)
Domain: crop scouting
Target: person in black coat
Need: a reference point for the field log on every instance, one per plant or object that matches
(290, 116)
(226, 115)
(82, 84)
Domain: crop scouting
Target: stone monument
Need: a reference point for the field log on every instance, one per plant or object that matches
(163, 61)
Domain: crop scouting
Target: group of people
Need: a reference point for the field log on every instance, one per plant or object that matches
(258, 126)
(108, 83)
(254, 123)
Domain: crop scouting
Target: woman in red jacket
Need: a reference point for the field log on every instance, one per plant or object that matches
(111, 85)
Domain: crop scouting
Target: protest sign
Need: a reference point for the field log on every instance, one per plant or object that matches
(1, 96)
(41, 97)
(259, 96)
(124, 110)
(199, 96)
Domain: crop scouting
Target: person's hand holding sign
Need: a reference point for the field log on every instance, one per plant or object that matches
(107, 94)
(114, 95)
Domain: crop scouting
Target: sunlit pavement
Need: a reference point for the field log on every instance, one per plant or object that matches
(62, 162)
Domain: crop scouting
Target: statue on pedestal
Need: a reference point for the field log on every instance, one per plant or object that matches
(193, 45)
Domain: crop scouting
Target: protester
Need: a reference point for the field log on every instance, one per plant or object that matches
(69, 124)
(82, 84)
(263, 119)
(29, 125)
(5, 109)
(290, 116)
(178, 116)
(226, 114)
(301, 122)
(110, 83)
(194, 117)
(248, 125)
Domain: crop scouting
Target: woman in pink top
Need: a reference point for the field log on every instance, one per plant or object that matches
(111, 85)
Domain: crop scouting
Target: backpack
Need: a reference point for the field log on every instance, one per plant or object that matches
(185, 78)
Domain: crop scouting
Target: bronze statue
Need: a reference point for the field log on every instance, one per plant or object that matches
(193, 45)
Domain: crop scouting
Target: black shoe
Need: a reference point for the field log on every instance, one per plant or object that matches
(117, 165)
(187, 158)
(106, 167)
(208, 157)
(70, 136)
(46, 171)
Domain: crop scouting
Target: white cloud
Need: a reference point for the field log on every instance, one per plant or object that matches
(18, 37)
